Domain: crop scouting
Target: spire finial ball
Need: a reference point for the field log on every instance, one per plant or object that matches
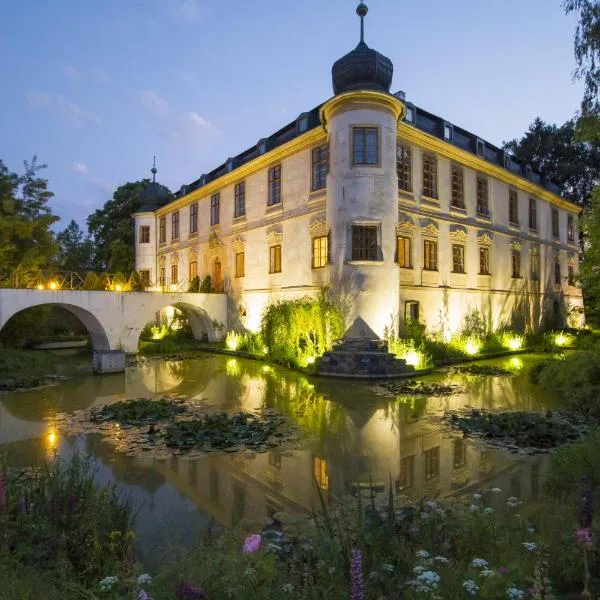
(362, 10)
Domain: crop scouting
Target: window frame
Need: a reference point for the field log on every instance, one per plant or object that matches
(404, 166)
(484, 251)
(274, 185)
(515, 273)
(457, 187)
(557, 270)
(144, 234)
(462, 268)
(408, 310)
(431, 463)
(407, 242)
(570, 228)
(513, 207)
(215, 209)
(239, 200)
(555, 223)
(482, 191)
(534, 266)
(174, 274)
(430, 167)
(162, 230)
(240, 264)
(533, 218)
(192, 271)
(193, 218)
(428, 265)
(320, 259)
(571, 275)
(364, 130)
(319, 167)
(274, 259)
(145, 277)
(175, 225)
(362, 247)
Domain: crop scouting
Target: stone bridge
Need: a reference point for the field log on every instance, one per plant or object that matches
(116, 319)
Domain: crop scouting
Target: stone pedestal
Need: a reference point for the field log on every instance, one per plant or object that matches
(108, 361)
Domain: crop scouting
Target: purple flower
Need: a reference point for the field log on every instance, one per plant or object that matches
(357, 586)
(143, 596)
(502, 570)
(583, 536)
(186, 591)
(586, 503)
(252, 543)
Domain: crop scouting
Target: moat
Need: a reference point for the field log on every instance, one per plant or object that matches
(356, 437)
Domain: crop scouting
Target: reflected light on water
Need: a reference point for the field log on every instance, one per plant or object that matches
(516, 363)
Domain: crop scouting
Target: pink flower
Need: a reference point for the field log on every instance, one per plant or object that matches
(502, 570)
(583, 536)
(252, 543)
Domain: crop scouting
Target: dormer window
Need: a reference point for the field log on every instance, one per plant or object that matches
(230, 165)
(302, 123)
(480, 148)
(528, 171)
(448, 132)
(410, 113)
(262, 146)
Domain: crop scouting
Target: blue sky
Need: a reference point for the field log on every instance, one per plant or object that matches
(95, 89)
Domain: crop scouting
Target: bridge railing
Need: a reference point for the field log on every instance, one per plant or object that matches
(92, 281)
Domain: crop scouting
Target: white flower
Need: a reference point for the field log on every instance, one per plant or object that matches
(422, 554)
(429, 578)
(424, 516)
(473, 508)
(513, 502)
(486, 572)
(108, 582)
(479, 563)
(488, 510)
(249, 571)
(529, 546)
(476, 496)
(144, 578)
(418, 569)
(288, 588)
(496, 491)
(441, 559)
(470, 587)
(431, 503)
(531, 529)
(387, 567)
(514, 593)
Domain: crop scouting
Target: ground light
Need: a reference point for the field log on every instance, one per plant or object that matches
(53, 285)
(514, 343)
(562, 339)
(472, 347)
(310, 360)
(413, 358)
(40, 286)
(118, 287)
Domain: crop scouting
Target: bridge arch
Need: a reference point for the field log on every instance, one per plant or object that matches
(98, 335)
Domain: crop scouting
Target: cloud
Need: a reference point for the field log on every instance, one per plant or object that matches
(100, 75)
(57, 106)
(189, 11)
(80, 168)
(70, 71)
(154, 103)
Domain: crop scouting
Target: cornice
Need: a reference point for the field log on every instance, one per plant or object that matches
(295, 145)
(360, 99)
(451, 152)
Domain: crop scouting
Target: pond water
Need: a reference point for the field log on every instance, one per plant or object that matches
(355, 437)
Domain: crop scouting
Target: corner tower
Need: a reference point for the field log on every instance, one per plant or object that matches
(362, 187)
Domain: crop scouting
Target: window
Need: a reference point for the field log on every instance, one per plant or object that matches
(483, 207)
(239, 208)
(513, 207)
(365, 146)
(484, 261)
(320, 472)
(194, 218)
(163, 277)
(571, 275)
(215, 201)
(174, 274)
(238, 510)
(320, 166)
(162, 230)
(535, 266)
(239, 265)
(458, 187)
(533, 214)
(515, 264)
(448, 132)
(145, 234)
(459, 454)
(432, 463)
(364, 242)
(411, 311)
(213, 485)
(175, 225)
(275, 259)
(145, 278)
(458, 258)
(430, 262)
(570, 228)
(404, 252)
(555, 226)
(407, 470)
(320, 252)
(274, 186)
(193, 270)
(557, 270)
(404, 167)
(430, 176)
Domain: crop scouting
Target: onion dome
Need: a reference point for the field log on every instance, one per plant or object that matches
(154, 195)
(363, 68)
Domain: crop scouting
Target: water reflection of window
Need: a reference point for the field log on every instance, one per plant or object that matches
(432, 463)
(515, 486)
(459, 453)
(174, 466)
(192, 475)
(485, 461)
(239, 502)
(407, 472)
(275, 460)
(535, 480)
(320, 471)
(214, 485)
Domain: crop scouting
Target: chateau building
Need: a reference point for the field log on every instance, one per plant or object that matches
(401, 213)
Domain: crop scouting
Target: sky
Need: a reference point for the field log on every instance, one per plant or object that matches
(95, 89)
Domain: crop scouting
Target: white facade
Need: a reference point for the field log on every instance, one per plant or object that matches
(377, 289)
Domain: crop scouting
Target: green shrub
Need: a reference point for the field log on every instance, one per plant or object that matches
(194, 286)
(206, 286)
(295, 332)
(15, 362)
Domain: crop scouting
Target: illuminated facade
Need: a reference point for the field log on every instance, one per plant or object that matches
(401, 213)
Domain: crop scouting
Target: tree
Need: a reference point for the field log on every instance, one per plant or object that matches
(26, 240)
(75, 249)
(589, 269)
(112, 228)
(574, 165)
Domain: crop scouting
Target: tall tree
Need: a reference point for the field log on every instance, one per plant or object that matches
(75, 249)
(112, 229)
(26, 240)
(559, 153)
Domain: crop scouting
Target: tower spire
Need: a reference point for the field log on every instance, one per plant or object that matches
(154, 170)
(362, 11)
